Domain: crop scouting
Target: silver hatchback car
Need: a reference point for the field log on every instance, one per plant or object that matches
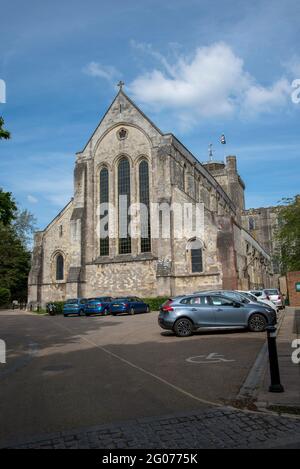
(186, 314)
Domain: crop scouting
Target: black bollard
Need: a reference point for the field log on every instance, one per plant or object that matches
(275, 386)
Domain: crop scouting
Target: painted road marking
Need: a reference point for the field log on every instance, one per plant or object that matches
(208, 359)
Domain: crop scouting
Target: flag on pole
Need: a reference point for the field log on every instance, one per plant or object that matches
(223, 139)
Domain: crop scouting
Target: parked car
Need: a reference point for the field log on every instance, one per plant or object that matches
(129, 305)
(254, 298)
(74, 306)
(99, 305)
(274, 295)
(184, 315)
(242, 296)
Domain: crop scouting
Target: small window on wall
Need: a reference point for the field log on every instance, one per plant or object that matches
(59, 267)
(196, 260)
(251, 224)
(194, 246)
(60, 231)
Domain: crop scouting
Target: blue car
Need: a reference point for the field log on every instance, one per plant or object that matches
(129, 305)
(75, 306)
(99, 305)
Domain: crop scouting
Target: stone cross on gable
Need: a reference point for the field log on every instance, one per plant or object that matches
(121, 84)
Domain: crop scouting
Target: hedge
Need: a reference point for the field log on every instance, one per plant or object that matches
(4, 296)
(155, 303)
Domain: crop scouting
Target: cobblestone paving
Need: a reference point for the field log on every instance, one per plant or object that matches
(214, 428)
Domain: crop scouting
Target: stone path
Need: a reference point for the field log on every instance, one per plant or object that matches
(221, 427)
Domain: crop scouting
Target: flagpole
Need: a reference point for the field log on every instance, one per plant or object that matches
(223, 142)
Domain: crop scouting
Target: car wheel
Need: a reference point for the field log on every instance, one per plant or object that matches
(65, 315)
(114, 314)
(257, 323)
(183, 327)
(131, 311)
(81, 312)
(105, 312)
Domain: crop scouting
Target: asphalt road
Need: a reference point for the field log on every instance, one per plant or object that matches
(65, 373)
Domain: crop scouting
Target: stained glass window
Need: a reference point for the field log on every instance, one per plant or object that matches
(59, 267)
(145, 212)
(104, 199)
(124, 203)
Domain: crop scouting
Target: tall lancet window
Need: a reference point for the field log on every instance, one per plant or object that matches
(59, 267)
(104, 199)
(145, 206)
(124, 204)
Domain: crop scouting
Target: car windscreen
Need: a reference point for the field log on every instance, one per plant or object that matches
(236, 296)
(91, 300)
(257, 293)
(71, 302)
(272, 292)
(250, 296)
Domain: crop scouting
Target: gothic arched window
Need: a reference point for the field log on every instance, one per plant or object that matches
(195, 247)
(124, 204)
(196, 260)
(104, 199)
(59, 267)
(145, 209)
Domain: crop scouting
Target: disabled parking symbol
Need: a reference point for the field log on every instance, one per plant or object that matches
(210, 358)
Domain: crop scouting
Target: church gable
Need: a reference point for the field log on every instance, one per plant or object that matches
(122, 111)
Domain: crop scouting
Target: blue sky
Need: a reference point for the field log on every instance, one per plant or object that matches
(197, 68)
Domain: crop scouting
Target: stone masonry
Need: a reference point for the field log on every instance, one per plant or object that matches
(231, 256)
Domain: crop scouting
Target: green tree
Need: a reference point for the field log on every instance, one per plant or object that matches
(4, 296)
(25, 225)
(14, 263)
(8, 207)
(288, 235)
(16, 228)
(4, 134)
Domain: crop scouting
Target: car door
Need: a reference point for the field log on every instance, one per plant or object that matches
(107, 301)
(227, 311)
(139, 305)
(200, 310)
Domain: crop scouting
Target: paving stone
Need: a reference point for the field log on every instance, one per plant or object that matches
(218, 428)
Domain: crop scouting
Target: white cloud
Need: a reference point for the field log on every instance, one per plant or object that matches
(107, 72)
(32, 199)
(293, 66)
(212, 82)
(262, 99)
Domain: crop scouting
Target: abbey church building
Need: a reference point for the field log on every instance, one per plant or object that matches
(128, 158)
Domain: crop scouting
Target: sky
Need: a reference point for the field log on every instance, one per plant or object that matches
(197, 68)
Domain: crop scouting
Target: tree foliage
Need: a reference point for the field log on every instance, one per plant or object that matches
(288, 235)
(25, 225)
(8, 208)
(4, 296)
(14, 263)
(16, 227)
(4, 134)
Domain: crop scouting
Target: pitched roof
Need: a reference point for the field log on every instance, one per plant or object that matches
(132, 103)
